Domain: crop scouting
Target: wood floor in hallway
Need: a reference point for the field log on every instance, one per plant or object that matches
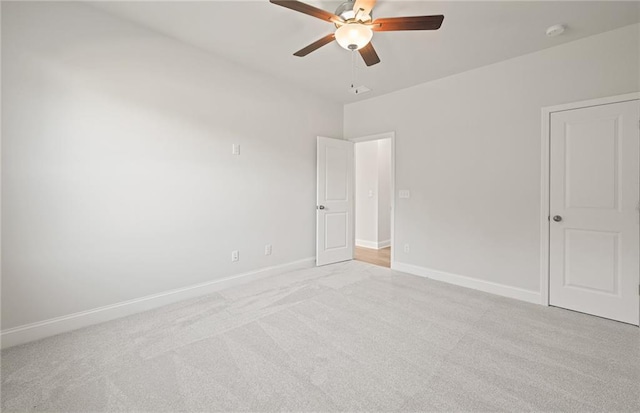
(381, 257)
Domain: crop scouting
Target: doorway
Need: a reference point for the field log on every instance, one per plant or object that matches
(373, 192)
(591, 227)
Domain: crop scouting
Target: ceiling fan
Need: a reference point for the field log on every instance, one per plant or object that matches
(355, 26)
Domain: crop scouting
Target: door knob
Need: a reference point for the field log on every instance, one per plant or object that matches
(320, 206)
(557, 218)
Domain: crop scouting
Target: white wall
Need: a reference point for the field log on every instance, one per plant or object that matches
(384, 191)
(117, 174)
(373, 193)
(366, 193)
(468, 148)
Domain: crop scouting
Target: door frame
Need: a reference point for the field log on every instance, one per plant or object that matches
(545, 177)
(385, 135)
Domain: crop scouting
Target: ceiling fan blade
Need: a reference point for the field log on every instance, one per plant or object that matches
(365, 5)
(369, 55)
(307, 9)
(390, 24)
(315, 45)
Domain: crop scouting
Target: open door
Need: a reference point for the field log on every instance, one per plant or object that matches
(334, 209)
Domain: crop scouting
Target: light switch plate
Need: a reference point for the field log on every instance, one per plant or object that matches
(404, 193)
(235, 149)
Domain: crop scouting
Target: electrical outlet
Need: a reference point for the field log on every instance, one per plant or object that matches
(235, 256)
(267, 249)
(406, 248)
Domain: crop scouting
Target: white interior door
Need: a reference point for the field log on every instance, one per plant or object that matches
(594, 218)
(334, 229)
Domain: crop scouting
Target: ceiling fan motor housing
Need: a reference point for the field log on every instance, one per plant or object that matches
(346, 12)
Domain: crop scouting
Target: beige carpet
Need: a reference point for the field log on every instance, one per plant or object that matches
(346, 337)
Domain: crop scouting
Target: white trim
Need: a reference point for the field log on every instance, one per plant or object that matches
(469, 282)
(544, 209)
(372, 244)
(376, 137)
(41, 329)
(545, 137)
(593, 102)
(366, 244)
(384, 244)
(386, 135)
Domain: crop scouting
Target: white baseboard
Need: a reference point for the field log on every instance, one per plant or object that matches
(41, 329)
(372, 244)
(468, 282)
(384, 244)
(366, 244)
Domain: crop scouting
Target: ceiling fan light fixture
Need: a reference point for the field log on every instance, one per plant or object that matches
(353, 36)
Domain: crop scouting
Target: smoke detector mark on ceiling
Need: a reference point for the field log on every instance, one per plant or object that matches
(556, 30)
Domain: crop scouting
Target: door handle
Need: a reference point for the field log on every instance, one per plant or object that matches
(557, 218)
(320, 206)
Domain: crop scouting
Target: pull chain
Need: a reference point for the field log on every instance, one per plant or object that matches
(353, 68)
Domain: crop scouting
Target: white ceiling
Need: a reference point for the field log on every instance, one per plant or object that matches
(263, 36)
